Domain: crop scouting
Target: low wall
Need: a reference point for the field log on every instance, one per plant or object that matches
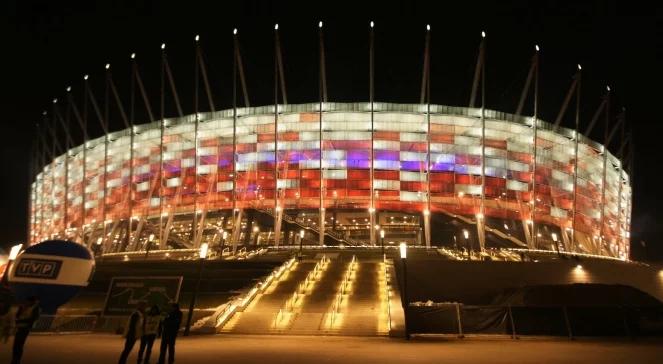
(481, 283)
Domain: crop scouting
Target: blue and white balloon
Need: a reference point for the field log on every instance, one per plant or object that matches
(53, 270)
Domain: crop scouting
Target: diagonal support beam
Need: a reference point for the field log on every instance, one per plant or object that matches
(141, 88)
(279, 62)
(478, 71)
(118, 101)
(620, 121)
(203, 71)
(171, 82)
(530, 75)
(567, 100)
(77, 114)
(426, 69)
(95, 107)
(239, 65)
(596, 116)
(323, 66)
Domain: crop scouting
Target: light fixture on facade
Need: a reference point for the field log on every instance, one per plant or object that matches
(402, 247)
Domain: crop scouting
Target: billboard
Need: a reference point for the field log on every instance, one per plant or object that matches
(125, 292)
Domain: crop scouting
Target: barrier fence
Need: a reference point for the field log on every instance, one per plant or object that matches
(66, 323)
(514, 321)
(461, 320)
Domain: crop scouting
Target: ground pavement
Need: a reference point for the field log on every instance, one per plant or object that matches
(249, 349)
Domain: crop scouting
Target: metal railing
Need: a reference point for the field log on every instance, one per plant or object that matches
(456, 319)
(336, 305)
(224, 313)
(289, 305)
(65, 323)
(336, 235)
(387, 289)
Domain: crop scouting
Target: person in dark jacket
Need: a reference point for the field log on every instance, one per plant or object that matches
(26, 316)
(170, 327)
(133, 331)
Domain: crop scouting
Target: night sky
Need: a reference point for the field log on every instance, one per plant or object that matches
(48, 45)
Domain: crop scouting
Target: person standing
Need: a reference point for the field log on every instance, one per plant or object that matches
(26, 316)
(171, 326)
(5, 322)
(152, 323)
(133, 331)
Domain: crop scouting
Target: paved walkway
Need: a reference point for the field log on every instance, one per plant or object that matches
(248, 349)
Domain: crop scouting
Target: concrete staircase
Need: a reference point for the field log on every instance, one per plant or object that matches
(260, 315)
(321, 296)
(363, 309)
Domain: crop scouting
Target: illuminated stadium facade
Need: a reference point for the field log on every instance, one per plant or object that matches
(335, 174)
(418, 172)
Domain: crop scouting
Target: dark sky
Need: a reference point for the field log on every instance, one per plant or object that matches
(48, 45)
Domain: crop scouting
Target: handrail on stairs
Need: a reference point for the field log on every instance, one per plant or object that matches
(336, 305)
(387, 290)
(289, 304)
(221, 316)
(337, 235)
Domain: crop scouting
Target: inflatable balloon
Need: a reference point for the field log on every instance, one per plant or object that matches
(53, 270)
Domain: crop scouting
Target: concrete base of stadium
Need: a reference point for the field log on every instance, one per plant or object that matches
(357, 291)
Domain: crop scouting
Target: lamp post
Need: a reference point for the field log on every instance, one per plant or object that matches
(148, 245)
(382, 241)
(466, 234)
(301, 240)
(256, 231)
(13, 253)
(202, 254)
(554, 238)
(224, 236)
(97, 247)
(404, 299)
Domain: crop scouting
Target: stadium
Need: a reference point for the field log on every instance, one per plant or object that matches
(302, 218)
(363, 173)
